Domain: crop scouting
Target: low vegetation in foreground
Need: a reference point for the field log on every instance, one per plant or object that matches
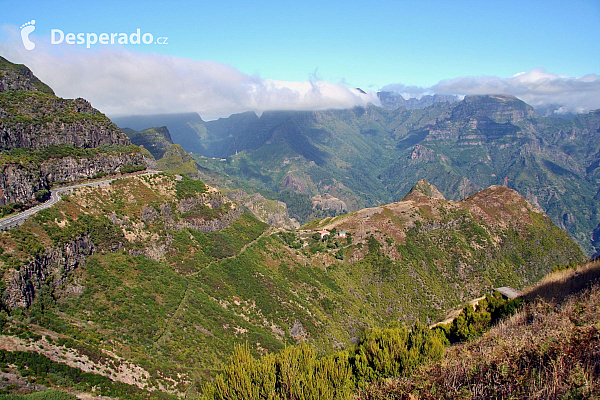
(550, 349)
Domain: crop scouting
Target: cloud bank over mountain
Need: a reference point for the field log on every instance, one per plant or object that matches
(122, 82)
(536, 87)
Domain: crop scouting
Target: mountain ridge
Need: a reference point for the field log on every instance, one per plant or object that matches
(46, 140)
(368, 156)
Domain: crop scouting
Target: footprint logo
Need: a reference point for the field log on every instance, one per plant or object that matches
(26, 29)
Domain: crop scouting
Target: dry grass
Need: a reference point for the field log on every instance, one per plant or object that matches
(556, 286)
(549, 350)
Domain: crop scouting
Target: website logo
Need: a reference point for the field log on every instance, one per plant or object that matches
(90, 39)
(26, 29)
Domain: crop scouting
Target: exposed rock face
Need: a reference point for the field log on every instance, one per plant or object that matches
(36, 121)
(20, 181)
(499, 108)
(54, 264)
(211, 225)
(422, 153)
(212, 199)
(18, 184)
(149, 214)
(328, 202)
(293, 183)
(273, 212)
(393, 101)
(32, 117)
(69, 169)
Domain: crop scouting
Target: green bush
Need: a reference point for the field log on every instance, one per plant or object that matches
(294, 373)
(51, 394)
(187, 187)
(297, 373)
(130, 168)
(42, 195)
(11, 208)
(394, 352)
(472, 322)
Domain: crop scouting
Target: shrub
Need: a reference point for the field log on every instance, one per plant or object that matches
(130, 168)
(297, 373)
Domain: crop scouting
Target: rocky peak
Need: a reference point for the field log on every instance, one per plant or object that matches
(34, 118)
(19, 77)
(177, 151)
(499, 108)
(424, 188)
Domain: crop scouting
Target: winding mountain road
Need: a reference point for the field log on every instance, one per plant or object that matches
(55, 194)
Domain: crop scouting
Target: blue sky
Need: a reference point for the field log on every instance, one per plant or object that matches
(356, 43)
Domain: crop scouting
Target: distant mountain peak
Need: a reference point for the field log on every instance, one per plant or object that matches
(393, 100)
(498, 107)
(157, 140)
(424, 188)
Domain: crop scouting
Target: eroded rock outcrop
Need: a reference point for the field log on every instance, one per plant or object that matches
(87, 144)
(19, 181)
(328, 202)
(273, 212)
(52, 267)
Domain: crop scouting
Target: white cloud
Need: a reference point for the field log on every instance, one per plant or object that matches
(536, 87)
(122, 82)
(407, 91)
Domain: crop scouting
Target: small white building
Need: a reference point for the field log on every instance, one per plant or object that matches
(342, 234)
(323, 233)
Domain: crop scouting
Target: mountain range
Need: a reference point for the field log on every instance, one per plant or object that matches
(143, 285)
(372, 156)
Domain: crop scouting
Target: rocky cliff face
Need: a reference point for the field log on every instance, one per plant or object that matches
(272, 212)
(19, 77)
(329, 202)
(19, 182)
(54, 264)
(393, 101)
(499, 108)
(212, 199)
(33, 119)
(36, 120)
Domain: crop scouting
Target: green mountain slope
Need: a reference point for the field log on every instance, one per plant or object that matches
(372, 156)
(157, 140)
(163, 276)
